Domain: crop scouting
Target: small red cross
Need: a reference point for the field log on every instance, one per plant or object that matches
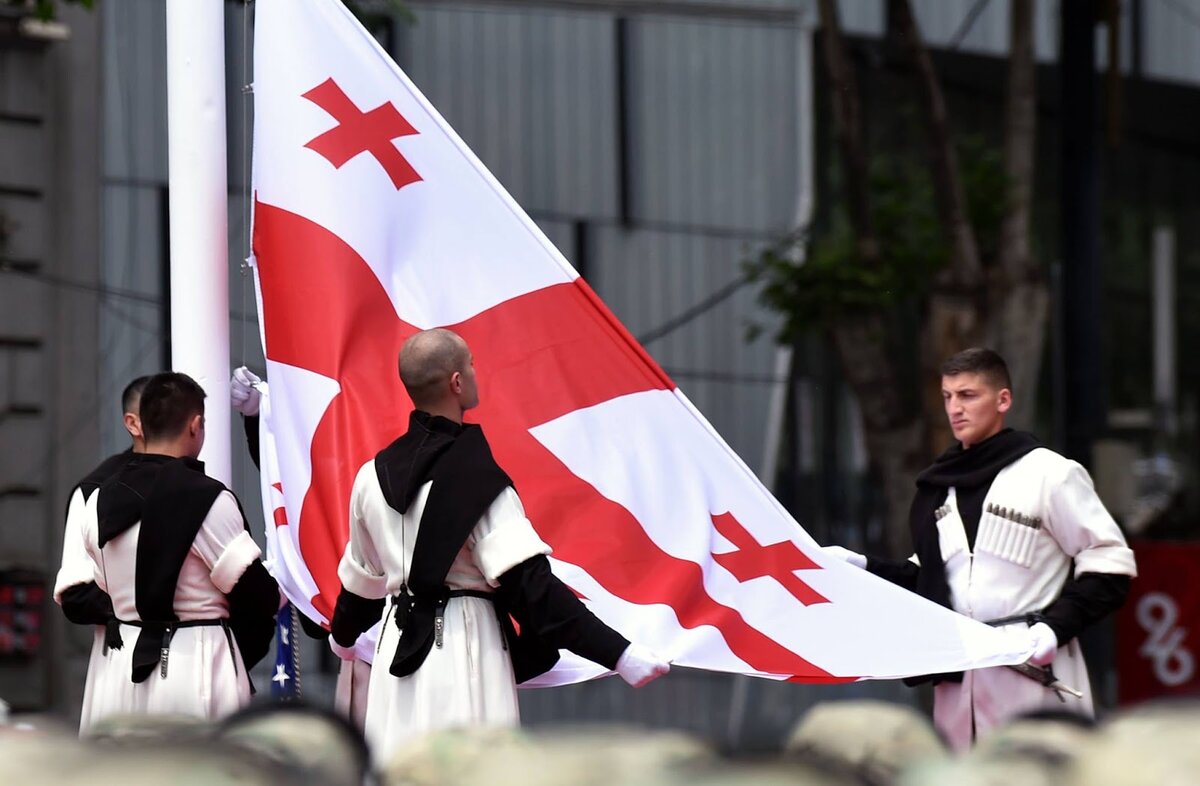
(779, 561)
(362, 132)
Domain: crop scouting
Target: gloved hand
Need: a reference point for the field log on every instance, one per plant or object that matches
(1043, 644)
(345, 653)
(846, 555)
(638, 666)
(243, 395)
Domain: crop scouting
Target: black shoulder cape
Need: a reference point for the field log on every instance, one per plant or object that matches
(104, 470)
(171, 498)
(87, 604)
(466, 481)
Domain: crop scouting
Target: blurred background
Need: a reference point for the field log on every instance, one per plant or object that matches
(798, 207)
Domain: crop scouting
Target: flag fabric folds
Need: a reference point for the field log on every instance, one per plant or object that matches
(372, 220)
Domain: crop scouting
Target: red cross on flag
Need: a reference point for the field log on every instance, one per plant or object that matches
(372, 220)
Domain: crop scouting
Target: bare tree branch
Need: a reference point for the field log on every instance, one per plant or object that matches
(1019, 301)
(847, 116)
(1020, 140)
(966, 269)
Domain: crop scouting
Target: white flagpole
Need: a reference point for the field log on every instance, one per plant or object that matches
(199, 222)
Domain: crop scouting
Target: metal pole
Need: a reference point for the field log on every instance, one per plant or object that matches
(199, 219)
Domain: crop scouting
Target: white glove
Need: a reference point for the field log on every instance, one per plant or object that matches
(1043, 644)
(846, 555)
(345, 653)
(638, 666)
(244, 396)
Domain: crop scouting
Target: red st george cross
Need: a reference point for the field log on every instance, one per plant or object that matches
(324, 310)
(539, 356)
(362, 132)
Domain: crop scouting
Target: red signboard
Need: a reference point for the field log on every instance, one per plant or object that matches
(1158, 628)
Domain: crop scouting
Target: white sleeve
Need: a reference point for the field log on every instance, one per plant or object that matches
(360, 570)
(76, 567)
(1083, 528)
(224, 544)
(89, 533)
(504, 537)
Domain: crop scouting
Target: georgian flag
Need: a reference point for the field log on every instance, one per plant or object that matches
(373, 220)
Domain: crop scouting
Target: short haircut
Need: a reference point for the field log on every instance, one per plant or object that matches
(132, 393)
(978, 360)
(169, 401)
(427, 360)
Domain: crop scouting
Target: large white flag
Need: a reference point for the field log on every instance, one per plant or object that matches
(373, 220)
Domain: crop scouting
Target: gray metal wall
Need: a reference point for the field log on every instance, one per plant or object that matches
(49, 166)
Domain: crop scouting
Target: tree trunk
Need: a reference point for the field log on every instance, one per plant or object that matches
(953, 321)
(966, 269)
(848, 130)
(870, 369)
(891, 426)
(1019, 301)
(898, 456)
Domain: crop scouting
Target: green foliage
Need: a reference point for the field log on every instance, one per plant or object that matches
(985, 183)
(815, 286)
(46, 9)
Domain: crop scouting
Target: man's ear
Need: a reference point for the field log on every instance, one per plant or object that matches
(1005, 401)
(456, 382)
(133, 424)
(195, 424)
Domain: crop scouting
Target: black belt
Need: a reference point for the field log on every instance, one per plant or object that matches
(113, 640)
(403, 603)
(1030, 618)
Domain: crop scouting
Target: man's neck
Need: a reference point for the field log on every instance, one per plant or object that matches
(175, 449)
(450, 411)
(965, 446)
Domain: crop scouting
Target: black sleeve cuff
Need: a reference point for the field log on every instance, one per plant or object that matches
(352, 616)
(87, 604)
(250, 425)
(312, 629)
(1085, 600)
(542, 604)
(253, 603)
(902, 573)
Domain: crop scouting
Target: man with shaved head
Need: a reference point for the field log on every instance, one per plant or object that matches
(431, 357)
(441, 550)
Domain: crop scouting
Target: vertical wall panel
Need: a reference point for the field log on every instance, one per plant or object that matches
(1171, 40)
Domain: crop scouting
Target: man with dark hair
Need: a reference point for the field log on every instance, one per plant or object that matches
(193, 607)
(1008, 532)
(75, 589)
(436, 526)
